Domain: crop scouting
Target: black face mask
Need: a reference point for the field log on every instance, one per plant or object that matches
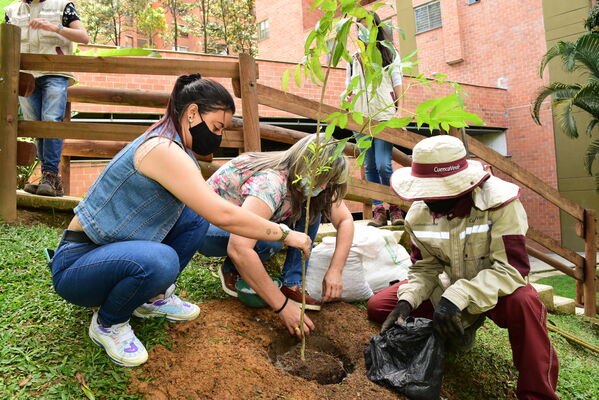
(441, 206)
(204, 141)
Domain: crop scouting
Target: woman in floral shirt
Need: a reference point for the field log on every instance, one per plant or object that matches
(271, 185)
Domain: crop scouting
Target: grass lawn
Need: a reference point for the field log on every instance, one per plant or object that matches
(562, 285)
(45, 351)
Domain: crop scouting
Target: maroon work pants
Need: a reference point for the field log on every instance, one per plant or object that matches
(524, 316)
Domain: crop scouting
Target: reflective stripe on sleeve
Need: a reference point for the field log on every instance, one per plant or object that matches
(431, 235)
(474, 229)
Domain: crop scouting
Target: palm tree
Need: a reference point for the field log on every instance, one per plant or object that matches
(579, 56)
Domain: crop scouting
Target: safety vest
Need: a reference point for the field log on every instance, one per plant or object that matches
(39, 41)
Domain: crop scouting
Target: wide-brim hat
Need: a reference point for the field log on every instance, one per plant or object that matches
(439, 171)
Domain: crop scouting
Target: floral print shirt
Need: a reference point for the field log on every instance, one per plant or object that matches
(234, 183)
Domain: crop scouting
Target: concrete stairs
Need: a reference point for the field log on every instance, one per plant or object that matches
(554, 304)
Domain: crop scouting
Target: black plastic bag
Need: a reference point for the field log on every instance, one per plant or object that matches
(407, 358)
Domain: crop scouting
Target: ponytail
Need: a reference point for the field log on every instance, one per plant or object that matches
(208, 95)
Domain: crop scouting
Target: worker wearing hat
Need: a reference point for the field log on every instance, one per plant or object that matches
(469, 252)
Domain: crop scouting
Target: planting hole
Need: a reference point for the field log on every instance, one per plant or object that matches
(324, 363)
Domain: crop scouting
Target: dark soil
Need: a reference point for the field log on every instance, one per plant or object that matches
(56, 219)
(319, 366)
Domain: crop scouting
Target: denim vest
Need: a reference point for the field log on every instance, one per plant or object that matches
(123, 204)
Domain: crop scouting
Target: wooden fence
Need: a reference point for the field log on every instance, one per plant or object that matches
(244, 135)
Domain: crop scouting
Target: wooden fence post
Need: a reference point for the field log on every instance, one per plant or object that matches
(65, 161)
(10, 53)
(590, 262)
(249, 103)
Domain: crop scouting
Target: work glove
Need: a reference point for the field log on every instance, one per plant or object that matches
(447, 320)
(399, 314)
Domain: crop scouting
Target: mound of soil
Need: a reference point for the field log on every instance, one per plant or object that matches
(230, 352)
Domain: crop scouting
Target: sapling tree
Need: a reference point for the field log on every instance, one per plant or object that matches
(331, 40)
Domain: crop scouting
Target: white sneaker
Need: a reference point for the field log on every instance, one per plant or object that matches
(171, 307)
(120, 343)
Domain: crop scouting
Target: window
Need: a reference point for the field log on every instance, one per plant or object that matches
(428, 16)
(128, 41)
(495, 140)
(263, 31)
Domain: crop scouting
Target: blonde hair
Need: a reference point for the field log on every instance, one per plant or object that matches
(298, 160)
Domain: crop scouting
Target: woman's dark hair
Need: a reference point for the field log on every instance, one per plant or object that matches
(208, 95)
(382, 34)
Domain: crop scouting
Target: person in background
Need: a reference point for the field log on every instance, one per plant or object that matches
(382, 105)
(265, 184)
(145, 217)
(471, 226)
(47, 27)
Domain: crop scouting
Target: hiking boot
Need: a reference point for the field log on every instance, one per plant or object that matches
(171, 307)
(396, 215)
(379, 217)
(51, 185)
(119, 341)
(228, 281)
(466, 341)
(294, 293)
(31, 188)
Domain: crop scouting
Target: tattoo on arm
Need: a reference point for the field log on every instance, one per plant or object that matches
(268, 231)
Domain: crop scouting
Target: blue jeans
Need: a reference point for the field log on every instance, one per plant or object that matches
(121, 276)
(377, 164)
(47, 103)
(216, 241)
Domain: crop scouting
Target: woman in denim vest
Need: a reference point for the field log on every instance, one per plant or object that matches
(145, 217)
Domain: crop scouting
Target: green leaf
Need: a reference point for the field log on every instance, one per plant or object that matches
(399, 122)
(377, 6)
(316, 4)
(339, 148)
(116, 52)
(332, 116)
(379, 127)
(360, 158)
(356, 116)
(343, 121)
(330, 130)
(364, 142)
(316, 68)
(311, 36)
(298, 75)
(285, 79)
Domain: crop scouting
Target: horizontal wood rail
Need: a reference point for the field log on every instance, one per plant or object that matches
(553, 245)
(575, 273)
(129, 65)
(118, 97)
(100, 131)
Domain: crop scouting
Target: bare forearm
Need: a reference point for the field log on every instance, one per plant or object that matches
(74, 35)
(252, 270)
(233, 219)
(345, 236)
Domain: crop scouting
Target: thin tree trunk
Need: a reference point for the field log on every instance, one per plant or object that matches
(205, 25)
(224, 14)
